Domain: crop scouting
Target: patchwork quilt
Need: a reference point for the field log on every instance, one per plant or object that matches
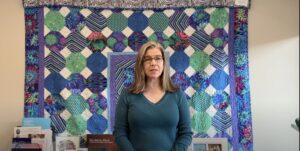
(78, 60)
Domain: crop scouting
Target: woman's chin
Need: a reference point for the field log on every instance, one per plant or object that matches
(153, 76)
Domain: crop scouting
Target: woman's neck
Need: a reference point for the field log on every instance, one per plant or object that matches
(154, 91)
(153, 86)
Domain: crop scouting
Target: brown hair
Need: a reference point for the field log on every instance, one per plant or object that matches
(140, 77)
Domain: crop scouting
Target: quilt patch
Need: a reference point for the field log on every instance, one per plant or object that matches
(78, 60)
(121, 73)
(140, 3)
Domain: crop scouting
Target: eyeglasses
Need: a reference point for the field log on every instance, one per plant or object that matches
(157, 59)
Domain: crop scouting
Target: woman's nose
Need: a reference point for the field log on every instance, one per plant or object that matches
(153, 61)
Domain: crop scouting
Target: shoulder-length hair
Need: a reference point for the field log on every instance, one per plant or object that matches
(140, 77)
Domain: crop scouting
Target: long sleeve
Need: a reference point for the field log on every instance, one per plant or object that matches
(121, 124)
(184, 133)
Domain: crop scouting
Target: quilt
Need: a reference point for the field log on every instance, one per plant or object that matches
(79, 58)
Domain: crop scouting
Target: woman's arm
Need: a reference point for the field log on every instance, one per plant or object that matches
(184, 133)
(121, 124)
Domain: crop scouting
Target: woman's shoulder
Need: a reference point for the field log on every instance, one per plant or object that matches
(177, 92)
(125, 96)
(178, 95)
(127, 92)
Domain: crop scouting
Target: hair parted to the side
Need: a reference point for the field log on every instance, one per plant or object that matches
(140, 77)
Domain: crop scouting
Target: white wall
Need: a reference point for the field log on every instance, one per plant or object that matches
(274, 72)
(12, 63)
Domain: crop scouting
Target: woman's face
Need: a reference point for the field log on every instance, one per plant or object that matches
(153, 63)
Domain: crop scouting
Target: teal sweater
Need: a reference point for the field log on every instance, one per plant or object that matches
(141, 125)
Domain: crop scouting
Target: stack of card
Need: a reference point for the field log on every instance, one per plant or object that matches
(34, 134)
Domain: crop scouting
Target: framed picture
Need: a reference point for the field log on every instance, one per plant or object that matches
(209, 144)
(101, 142)
(81, 149)
(64, 143)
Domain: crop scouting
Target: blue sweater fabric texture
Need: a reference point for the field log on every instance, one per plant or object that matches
(141, 125)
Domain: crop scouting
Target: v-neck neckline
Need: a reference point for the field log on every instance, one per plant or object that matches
(158, 102)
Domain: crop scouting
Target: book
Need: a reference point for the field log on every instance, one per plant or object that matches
(26, 132)
(81, 149)
(48, 137)
(39, 139)
(16, 142)
(24, 144)
(63, 143)
(23, 132)
(101, 142)
(44, 123)
(22, 140)
(28, 147)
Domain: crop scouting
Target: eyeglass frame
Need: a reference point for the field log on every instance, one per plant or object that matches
(157, 59)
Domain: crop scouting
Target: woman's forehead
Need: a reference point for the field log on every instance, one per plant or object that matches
(153, 52)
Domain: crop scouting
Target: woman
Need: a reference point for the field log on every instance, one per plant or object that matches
(152, 115)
